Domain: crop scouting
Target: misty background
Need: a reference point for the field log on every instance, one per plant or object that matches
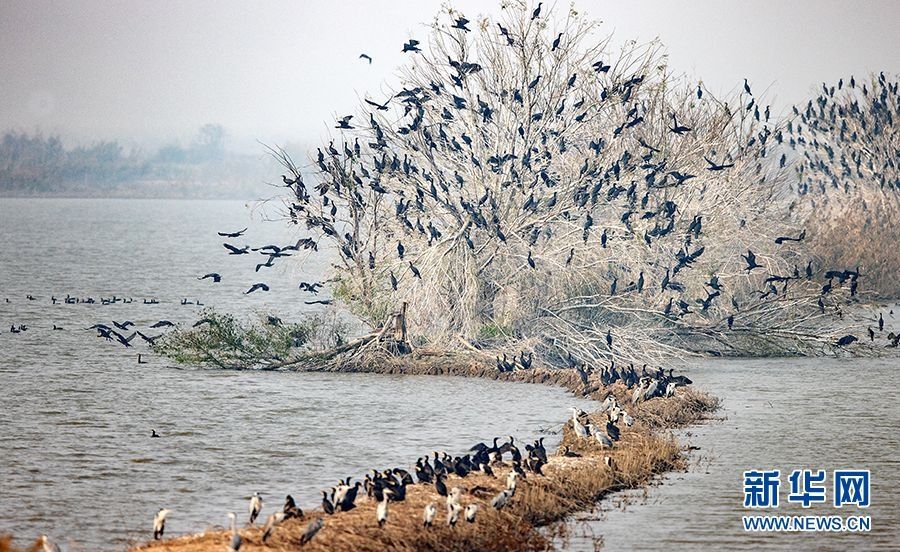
(181, 95)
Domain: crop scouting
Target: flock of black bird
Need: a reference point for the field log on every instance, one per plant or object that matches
(272, 253)
(114, 333)
(446, 474)
(348, 174)
(830, 161)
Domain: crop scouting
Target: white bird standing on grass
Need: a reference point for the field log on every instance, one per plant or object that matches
(501, 499)
(578, 426)
(608, 403)
(311, 530)
(273, 521)
(601, 437)
(638, 393)
(429, 514)
(381, 511)
(453, 506)
(159, 523)
(236, 540)
(511, 479)
(471, 510)
(453, 510)
(256, 505)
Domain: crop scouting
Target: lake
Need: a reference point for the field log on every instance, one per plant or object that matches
(77, 459)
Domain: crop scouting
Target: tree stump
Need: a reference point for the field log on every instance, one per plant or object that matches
(393, 333)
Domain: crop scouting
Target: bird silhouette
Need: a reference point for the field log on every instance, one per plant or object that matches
(846, 340)
(415, 270)
(378, 106)
(781, 239)
(411, 46)
(461, 23)
(750, 257)
(232, 234)
(235, 250)
(713, 166)
(556, 42)
(677, 128)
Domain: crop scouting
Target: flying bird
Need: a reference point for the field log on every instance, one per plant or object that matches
(214, 275)
(781, 239)
(378, 106)
(235, 250)
(411, 46)
(713, 166)
(461, 24)
(257, 286)
(232, 234)
(366, 57)
(677, 128)
(750, 257)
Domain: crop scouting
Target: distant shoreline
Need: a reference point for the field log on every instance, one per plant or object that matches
(154, 191)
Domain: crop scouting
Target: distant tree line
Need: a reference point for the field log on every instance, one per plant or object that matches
(40, 164)
(37, 163)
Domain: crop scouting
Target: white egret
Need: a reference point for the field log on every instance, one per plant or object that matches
(159, 523)
(429, 514)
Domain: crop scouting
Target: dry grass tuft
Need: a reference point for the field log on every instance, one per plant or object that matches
(6, 545)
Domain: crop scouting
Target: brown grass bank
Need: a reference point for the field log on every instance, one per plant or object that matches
(569, 484)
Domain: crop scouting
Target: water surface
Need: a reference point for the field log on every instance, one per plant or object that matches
(77, 459)
(777, 414)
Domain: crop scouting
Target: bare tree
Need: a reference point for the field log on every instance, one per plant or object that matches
(531, 184)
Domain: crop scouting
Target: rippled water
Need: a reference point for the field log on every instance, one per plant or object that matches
(777, 414)
(76, 460)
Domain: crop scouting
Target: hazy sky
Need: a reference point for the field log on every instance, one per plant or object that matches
(152, 71)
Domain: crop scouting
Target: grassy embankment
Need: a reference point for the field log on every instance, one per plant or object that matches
(570, 484)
